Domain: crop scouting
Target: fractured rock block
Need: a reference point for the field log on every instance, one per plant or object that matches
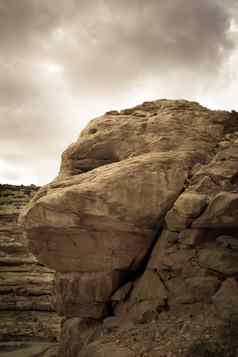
(219, 259)
(149, 287)
(222, 212)
(188, 206)
(85, 294)
(76, 334)
(192, 290)
(105, 219)
(226, 299)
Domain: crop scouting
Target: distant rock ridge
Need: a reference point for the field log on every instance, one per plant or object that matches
(141, 221)
(26, 310)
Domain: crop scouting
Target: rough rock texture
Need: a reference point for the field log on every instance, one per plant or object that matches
(142, 221)
(26, 349)
(26, 310)
(192, 331)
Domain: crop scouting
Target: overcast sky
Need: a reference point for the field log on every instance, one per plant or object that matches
(63, 62)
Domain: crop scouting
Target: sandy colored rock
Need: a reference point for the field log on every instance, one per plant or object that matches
(221, 213)
(226, 299)
(105, 219)
(175, 263)
(146, 191)
(192, 237)
(26, 283)
(33, 349)
(228, 241)
(192, 290)
(114, 196)
(19, 302)
(161, 126)
(220, 174)
(220, 259)
(188, 206)
(76, 334)
(18, 325)
(26, 309)
(148, 297)
(166, 254)
(87, 294)
(192, 330)
(149, 287)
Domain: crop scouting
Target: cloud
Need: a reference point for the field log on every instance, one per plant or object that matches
(65, 61)
(127, 41)
(110, 44)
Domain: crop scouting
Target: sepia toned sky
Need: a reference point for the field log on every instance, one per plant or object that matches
(63, 62)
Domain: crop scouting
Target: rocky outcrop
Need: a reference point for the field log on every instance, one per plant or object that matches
(26, 308)
(142, 219)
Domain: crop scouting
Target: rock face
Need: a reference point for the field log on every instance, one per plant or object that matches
(26, 308)
(143, 216)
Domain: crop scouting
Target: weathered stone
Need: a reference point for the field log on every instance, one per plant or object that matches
(149, 287)
(165, 126)
(113, 196)
(76, 334)
(26, 283)
(222, 212)
(28, 349)
(175, 259)
(168, 256)
(132, 313)
(228, 241)
(164, 244)
(29, 325)
(26, 307)
(20, 302)
(192, 290)
(205, 184)
(219, 259)
(188, 206)
(85, 294)
(226, 299)
(148, 296)
(192, 237)
(105, 219)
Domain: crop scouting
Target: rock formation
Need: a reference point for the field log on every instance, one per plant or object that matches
(26, 310)
(141, 223)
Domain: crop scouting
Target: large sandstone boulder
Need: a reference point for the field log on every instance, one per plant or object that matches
(115, 185)
(142, 218)
(105, 219)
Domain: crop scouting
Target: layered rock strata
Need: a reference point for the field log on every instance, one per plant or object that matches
(142, 218)
(26, 310)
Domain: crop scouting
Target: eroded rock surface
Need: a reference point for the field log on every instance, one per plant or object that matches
(142, 219)
(26, 309)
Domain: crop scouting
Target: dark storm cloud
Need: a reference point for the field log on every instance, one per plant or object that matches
(109, 43)
(117, 42)
(58, 57)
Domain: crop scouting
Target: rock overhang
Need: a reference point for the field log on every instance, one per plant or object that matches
(100, 218)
